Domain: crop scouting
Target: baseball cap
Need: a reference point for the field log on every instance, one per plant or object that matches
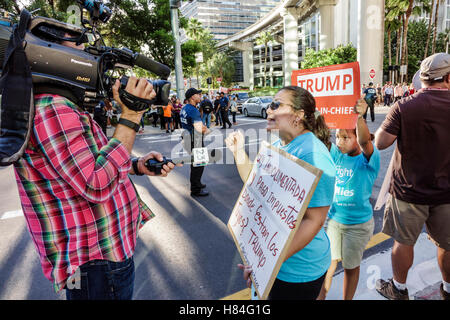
(435, 67)
(191, 91)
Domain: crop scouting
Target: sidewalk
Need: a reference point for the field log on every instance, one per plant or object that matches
(424, 277)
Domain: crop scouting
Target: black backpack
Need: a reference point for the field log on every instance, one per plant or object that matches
(16, 90)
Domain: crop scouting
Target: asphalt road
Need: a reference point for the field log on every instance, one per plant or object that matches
(186, 251)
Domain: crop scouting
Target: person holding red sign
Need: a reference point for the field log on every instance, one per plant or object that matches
(304, 134)
(351, 223)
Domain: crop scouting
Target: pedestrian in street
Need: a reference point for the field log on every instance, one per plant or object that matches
(206, 108)
(177, 106)
(142, 124)
(234, 108)
(379, 94)
(168, 116)
(405, 90)
(217, 111)
(411, 89)
(388, 94)
(192, 122)
(154, 113)
(350, 225)
(370, 95)
(304, 134)
(398, 92)
(162, 120)
(224, 104)
(420, 185)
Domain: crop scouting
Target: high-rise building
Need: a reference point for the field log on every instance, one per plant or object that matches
(224, 18)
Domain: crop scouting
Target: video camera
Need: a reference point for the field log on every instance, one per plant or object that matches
(89, 74)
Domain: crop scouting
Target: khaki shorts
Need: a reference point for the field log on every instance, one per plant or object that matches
(348, 241)
(404, 221)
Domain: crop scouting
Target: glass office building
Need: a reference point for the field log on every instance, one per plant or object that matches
(225, 18)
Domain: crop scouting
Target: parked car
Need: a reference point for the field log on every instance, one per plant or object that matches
(241, 98)
(256, 106)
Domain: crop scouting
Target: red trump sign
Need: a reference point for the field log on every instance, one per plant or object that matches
(336, 89)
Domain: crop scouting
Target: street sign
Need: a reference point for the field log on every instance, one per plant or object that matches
(403, 69)
(199, 57)
(219, 80)
(372, 73)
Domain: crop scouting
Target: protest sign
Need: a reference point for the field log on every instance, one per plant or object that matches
(269, 210)
(336, 89)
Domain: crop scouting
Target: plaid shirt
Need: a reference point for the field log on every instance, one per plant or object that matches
(77, 198)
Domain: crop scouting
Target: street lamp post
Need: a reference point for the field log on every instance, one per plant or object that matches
(174, 5)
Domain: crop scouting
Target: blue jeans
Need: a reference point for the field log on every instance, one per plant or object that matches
(104, 280)
(207, 119)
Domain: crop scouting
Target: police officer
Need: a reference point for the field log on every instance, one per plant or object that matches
(191, 121)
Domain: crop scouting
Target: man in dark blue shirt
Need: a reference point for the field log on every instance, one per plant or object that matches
(191, 121)
(223, 104)
(370, 95)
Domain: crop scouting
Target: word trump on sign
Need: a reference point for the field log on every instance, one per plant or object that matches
(269, 210)
(335, 83)
(336, 89)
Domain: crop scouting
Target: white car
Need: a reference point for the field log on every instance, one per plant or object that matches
(256, 106)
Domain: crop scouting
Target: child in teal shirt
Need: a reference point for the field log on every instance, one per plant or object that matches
(351, 224)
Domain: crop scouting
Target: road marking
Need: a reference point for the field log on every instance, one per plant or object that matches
(11, 214)
(245, 294)
(377, 239)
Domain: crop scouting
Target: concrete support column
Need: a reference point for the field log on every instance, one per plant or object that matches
(371, 39)
(326, 9)
(271, 65)
(290, 48)
(247, 61)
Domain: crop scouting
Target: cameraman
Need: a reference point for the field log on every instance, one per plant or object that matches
(80, 205)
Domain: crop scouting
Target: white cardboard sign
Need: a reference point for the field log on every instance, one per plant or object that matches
(269, 210)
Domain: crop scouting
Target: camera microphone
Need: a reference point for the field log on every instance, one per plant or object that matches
(148, 64)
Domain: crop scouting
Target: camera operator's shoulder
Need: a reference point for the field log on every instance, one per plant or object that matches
(44, 102)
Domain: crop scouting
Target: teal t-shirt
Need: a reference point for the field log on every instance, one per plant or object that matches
(355, 177)
(314, 259)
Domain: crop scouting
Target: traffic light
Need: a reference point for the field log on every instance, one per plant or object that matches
(209, 80)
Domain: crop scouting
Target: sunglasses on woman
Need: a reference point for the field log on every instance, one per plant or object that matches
(274, 105)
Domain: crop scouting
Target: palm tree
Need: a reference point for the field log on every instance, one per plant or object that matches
(403, 10)
(391, 27)
(194, 29)
(430, 23)
(436, 13)
(265, 38)
(196, 32)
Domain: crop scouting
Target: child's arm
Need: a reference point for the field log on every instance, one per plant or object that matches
(362, 131)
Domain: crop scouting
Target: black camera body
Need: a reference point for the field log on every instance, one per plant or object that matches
(85, 74)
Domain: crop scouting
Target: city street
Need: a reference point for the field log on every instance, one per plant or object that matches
(186, 251)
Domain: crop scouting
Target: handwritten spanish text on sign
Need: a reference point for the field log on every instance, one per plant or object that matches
(269, 210)
(336, 89)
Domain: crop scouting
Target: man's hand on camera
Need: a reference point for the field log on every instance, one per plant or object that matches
(138, 87)
(158, 156)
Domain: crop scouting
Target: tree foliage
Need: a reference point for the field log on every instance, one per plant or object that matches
(140, 25)
(327, 57)
(417, 36)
